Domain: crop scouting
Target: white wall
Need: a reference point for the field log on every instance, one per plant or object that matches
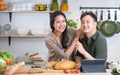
(30, 20)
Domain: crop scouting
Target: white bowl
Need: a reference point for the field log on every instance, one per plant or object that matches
(22, 31)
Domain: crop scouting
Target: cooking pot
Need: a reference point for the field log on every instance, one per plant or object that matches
(108, 28)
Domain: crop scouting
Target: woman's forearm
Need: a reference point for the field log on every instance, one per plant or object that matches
(71, 48)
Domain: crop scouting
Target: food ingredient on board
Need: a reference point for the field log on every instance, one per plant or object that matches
(7, 56)
(11, 70)
(2, 64)
(72, 71)
(64, 65)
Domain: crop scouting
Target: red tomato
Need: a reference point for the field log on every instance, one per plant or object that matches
(77, 71)
(66, 71)
(72, 71)
(8, 62)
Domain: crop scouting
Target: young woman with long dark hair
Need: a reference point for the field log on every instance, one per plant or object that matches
(60, 42)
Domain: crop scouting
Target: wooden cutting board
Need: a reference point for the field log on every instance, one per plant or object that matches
(37, 70)
(34, 70)
(2, 71)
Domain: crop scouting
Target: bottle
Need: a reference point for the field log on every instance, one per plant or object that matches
(54, 5)
(64, 5)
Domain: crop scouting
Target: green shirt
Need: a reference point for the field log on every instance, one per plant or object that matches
(97, 47)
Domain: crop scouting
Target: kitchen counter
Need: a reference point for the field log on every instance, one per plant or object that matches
(67, 74)
(108, 72)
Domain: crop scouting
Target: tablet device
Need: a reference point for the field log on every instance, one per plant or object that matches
(93, 65)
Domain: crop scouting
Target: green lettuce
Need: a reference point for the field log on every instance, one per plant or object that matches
(6, 56)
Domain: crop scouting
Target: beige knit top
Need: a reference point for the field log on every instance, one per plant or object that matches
(56, 52)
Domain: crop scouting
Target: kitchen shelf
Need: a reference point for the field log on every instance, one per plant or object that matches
(24, 36)
(20, 36)
(27, 11)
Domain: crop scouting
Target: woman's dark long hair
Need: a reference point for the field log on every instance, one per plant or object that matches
(65, 37)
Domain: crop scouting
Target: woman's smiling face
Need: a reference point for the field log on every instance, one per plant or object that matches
(59, 23)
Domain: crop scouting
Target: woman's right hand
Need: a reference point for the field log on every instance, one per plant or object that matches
(80, 48)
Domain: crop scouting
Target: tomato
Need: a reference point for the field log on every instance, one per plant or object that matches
(72, 71)
(66, 71)
(77, 71)
(8, 62)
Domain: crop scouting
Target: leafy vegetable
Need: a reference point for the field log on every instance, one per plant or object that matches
(72, 23)
(6, 56)
(2, 64)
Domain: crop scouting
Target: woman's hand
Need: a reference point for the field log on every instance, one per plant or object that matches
(80, 47)
(79, 34)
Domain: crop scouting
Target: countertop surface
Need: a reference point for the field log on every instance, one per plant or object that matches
(67, 74)
(108, 72)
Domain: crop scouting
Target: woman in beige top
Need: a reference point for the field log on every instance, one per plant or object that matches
(59, 40)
